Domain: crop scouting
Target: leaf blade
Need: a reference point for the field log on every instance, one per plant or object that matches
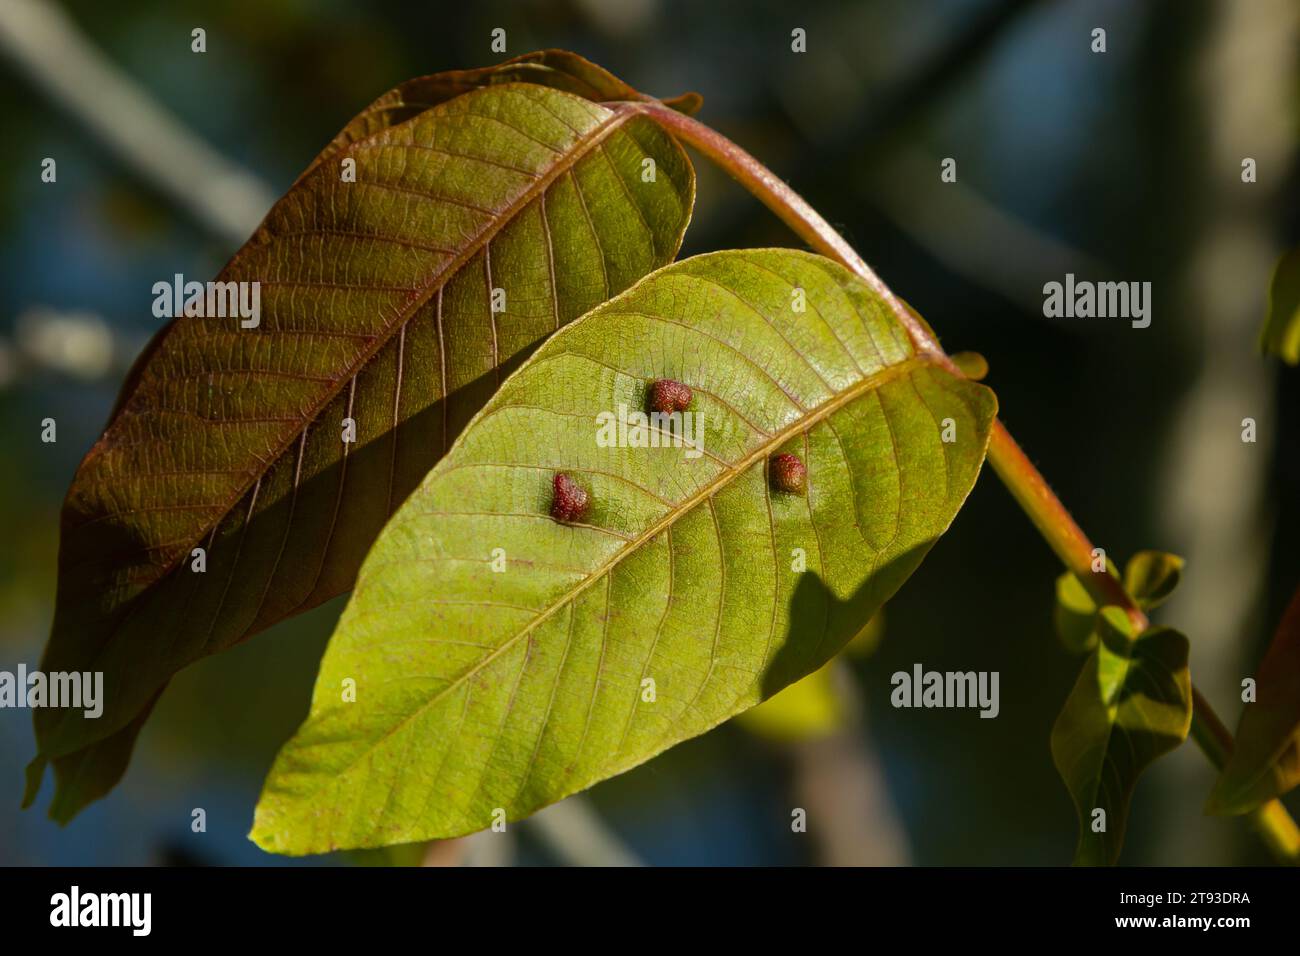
(462, 681)
(1131, 704)
(1150, 577)
(230, 439)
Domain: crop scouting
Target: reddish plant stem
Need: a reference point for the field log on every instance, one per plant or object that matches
(1022, 479)
(791, 208)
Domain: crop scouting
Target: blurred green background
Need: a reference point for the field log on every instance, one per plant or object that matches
(1122, 166)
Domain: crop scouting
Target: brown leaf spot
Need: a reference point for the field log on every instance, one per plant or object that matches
(788, 473)
(570, 501)
(667, 396)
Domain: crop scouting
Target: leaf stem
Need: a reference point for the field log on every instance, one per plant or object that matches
(1026, 484)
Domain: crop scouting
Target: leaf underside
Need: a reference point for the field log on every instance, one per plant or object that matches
(478, 690)
(1265, 760)
(1131, 703)
(375, 307)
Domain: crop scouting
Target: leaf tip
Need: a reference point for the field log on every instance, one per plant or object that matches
(268, 833)
(687, 103)
(973, 365)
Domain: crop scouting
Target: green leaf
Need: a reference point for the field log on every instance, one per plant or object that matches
(807, 709)
(1265, 760)
(1131, 703)
(478, 690)
(375, 307)
(1281, 332)
(1075, 615)
(1151, 576)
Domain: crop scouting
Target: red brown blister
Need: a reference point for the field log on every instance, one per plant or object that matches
(668, 396)
(570, 500)
(788, 473)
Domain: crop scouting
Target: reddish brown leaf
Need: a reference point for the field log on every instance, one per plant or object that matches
(376, 307)
(1265, 760)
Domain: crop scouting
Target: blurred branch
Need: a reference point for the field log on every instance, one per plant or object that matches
(839, 781)
(924, 81)
(75, 344)
(990, 247)
(571, 829)
(576, 834)
(43, 43)
(485, 848)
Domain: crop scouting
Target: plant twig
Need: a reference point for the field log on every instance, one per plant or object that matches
(44, 44)
(791, 208)
(994, 248)
(576, 833)
(1022, 479)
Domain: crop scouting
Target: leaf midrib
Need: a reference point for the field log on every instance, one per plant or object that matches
(866, 385)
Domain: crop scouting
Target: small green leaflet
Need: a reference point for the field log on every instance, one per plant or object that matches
(1131, 703)
(1150, 577)
(1281, 333)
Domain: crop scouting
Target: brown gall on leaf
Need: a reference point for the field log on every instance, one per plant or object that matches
(788, 473)
(667, 396)
(570, 501)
